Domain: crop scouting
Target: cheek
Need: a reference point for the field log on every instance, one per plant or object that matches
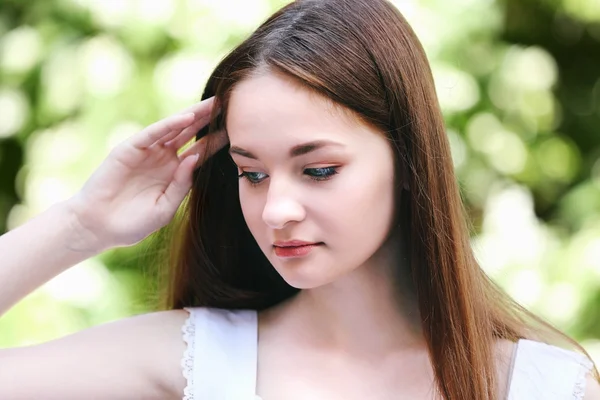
(364, 207)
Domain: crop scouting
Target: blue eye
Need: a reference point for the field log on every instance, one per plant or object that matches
(253, 177)
(321, 174)
(316, 174)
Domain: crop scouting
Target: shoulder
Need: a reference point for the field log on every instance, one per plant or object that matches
(216, 324)
(168, 343)
(545, 371)
(138, 356)
(504, 352)
(154, 343)
(592, 388)
(539, 353)
(220, 343)
(189, 333)
(159, 339)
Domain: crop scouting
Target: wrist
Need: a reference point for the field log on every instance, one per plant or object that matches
(81, 236)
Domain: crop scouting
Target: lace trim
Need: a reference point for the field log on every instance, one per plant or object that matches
(579, 388)
(187, 362)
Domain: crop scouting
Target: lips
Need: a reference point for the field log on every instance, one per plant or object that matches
(292, 243)
(294, 248)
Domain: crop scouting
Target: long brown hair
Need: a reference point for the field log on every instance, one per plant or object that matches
(362, 55)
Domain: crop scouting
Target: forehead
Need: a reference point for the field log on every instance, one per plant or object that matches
(271, 106)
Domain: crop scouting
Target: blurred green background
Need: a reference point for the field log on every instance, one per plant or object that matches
(518, 80)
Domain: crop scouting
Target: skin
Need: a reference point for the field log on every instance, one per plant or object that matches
(348, 335)
(350, 212)
(135, 191)
(350, 313)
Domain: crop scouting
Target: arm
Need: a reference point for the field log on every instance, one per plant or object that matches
(135, 192)
(135, 358)
(37, 251)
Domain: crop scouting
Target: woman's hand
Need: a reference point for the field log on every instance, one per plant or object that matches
(139, 186)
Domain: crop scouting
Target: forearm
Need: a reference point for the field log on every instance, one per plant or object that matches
(35, 252)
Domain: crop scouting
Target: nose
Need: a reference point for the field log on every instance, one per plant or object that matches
(281, 207)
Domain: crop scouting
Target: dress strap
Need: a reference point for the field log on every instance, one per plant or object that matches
(543, 372)
(221, 357)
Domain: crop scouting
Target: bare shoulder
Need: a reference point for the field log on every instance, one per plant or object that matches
(592, 388)
(504, 351)
(157, 341)
(548, 354)
(137, 357)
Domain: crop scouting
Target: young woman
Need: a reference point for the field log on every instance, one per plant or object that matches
(322, 252)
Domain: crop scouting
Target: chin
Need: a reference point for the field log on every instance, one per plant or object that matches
(303, 284)
(302, 278)
(309, 271)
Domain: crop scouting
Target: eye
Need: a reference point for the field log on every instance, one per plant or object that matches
(316, 174)
(253, 177)
(321, 174)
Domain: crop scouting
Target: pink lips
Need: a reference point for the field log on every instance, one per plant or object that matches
(293, 248)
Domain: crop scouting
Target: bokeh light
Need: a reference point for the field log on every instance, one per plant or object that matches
(522, 108)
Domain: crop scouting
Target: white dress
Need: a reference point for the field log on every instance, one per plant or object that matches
(220, 361)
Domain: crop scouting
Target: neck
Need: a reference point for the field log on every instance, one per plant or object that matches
(371, 309)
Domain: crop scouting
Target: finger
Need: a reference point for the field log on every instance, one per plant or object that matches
(207, 146)
(201, 110)
(179, 186)
(186, 134)
(149, 135)
(202, 119)
(170, 136)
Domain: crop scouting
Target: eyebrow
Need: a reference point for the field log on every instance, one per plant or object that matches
(295, 151)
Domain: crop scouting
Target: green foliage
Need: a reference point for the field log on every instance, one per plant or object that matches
(519, 84)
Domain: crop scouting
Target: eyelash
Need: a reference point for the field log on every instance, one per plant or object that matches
(329, 173)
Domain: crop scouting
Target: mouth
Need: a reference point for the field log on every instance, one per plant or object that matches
(294, 249)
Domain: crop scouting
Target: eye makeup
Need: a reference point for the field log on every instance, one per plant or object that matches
(316, 174)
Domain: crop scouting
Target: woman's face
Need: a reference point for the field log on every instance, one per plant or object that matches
(310, 174)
